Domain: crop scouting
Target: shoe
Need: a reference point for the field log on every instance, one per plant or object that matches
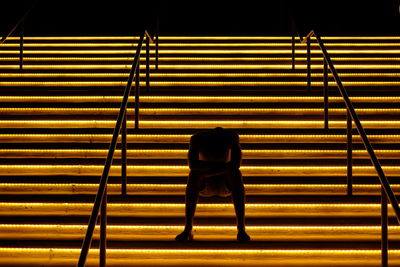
(243, 237)
(184, 237)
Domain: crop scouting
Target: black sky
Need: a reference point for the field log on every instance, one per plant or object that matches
(204, 17)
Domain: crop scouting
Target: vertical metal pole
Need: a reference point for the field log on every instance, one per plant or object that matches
(103, 230)
(349, 155)
(123, 155)
(326, 97)
(137, 94)
(293, 53)
(21, 46)
(157, 34)
(147, 64)
(309, 64)
(384, 232)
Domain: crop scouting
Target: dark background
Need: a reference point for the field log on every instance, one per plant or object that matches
(218, 17)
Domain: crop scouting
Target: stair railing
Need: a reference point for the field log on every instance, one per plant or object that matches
(120, 127)
(386, 190)
(19, 25)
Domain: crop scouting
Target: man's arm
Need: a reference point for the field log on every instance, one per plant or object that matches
(193, 157)
(236, 153)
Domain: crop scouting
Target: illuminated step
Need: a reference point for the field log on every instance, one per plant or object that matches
(165, 210)
(196, 111)
(200, 99)
(203, 51)
(177, 171)
(286, 38)
(199, 59)
(197, 83)
(201, 233)
(197, 66)
(257, 257)
(191, 75)
(182, 154)
(147, 124)
(179, 189)
(180, 44)
(171, 138)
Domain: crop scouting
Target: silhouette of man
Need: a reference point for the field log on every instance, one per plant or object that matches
(214, 160)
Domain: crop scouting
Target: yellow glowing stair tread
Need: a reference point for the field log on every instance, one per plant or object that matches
(200, 83)
(198, 111)
(168, 232)
(182, 44)
(165, 138)
(149, 124)
(177, 171)
(182, 154)
(201, 66)
(200, 257)
(287, 38)
(199, 99)
(254, 210)
(179, 189)
(194, 75)
(162, 59)
(204, 51)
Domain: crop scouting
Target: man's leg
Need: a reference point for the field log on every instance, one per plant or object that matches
(194, 185)
(235, 184)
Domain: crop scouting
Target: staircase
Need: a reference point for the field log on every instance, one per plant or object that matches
(57, 116)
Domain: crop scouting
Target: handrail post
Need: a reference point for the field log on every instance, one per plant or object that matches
(103, 230)
(309, 64)
(293, 52)
(137, 94)
(123, 155)
(157, 41)
(326, 97)
(147, 64)
(384, 229)
(349, 154)
(21, 45)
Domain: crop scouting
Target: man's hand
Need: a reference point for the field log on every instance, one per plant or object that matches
(215, 169)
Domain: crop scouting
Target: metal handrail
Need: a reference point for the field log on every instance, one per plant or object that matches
(19, 24)
(101, 196)
(386, 191)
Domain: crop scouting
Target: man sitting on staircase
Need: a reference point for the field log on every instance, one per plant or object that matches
(214, 161)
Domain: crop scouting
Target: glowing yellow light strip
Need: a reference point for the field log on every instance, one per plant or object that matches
(269, 44)
(194, 124)
(200, 99)
(194, 75)
(179, 189)
(198, 111)
(210, 51)
(198, 83)
(164, 210)
(198, 58)
(165, 138)
(182, 154)
(176, 171)
(288, 38)
(199, 257)
(168, 232)
(201, 66)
